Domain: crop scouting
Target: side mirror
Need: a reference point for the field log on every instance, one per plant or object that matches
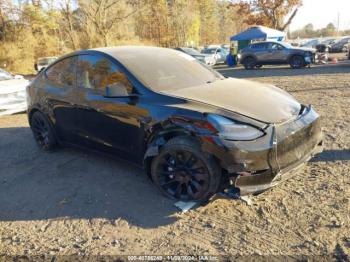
(117, 90)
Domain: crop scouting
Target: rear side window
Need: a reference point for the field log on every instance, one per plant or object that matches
(259, 46)
(63, 72)
(97, 72)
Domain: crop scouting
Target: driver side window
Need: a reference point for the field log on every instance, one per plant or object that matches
(97, 72)
(276, 46)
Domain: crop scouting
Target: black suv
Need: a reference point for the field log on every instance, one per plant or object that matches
(270, 53)
(194, 131)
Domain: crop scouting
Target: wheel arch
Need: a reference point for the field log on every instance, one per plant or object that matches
(294, 55)
(162, 134)
(32, 111)
(158, 138)
(249, 56)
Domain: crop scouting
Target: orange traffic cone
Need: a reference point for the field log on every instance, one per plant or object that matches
(334, 60)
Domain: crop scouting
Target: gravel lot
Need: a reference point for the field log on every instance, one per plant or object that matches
(73, 202)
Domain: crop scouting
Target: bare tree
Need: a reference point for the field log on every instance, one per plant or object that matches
(104, 15)
(67, 19)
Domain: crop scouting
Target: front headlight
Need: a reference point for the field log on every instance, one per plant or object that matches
(231, 130)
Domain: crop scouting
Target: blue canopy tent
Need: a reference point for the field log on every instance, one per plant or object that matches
(254, 33)
(259, 32)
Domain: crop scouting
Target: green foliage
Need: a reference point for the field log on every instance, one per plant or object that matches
(308, 31)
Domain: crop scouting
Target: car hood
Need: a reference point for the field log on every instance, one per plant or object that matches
(13, 85)
(337, 44)
(261, 102)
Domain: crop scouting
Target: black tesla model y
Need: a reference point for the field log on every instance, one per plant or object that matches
(192, 129)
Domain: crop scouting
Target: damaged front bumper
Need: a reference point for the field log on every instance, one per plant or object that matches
(256, 183)
(255, 166)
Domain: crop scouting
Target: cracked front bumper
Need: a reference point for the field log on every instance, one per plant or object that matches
(293, 144)
(260, 182)
(255, 166)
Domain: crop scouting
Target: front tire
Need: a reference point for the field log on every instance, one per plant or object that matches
(249, 63)
(183, 172)
(43, 132)
(297, 62)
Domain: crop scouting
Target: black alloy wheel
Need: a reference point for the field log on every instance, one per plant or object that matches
(297, 62)
(249, 63)
(182, 172)
(42, 131)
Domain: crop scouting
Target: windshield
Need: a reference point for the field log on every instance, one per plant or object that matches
(5, 75)
(209, 51)
(191, 51)
(328, 41)
(310, 43)
(286, 45)
(163, 69)
(344, 40)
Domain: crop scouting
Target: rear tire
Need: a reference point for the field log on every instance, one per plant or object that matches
(297, 62)
(43, 132)
(183, 172)
(249, 63)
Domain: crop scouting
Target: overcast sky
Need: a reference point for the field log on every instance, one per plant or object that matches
(322, 12)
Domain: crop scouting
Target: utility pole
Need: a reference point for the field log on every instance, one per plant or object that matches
(338, 23)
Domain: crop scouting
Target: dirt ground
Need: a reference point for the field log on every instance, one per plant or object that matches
(73, 202)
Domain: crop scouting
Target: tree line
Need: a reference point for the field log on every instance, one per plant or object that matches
(308, 30)
(37, 28)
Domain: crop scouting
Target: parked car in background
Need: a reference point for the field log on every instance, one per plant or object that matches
(311, 43)
(269, 53)
(218, 53)
(226, 46)
(192, 129)
(12, 93)
(328, 41)
(43, 62)
(204, 58)
(340, 46)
